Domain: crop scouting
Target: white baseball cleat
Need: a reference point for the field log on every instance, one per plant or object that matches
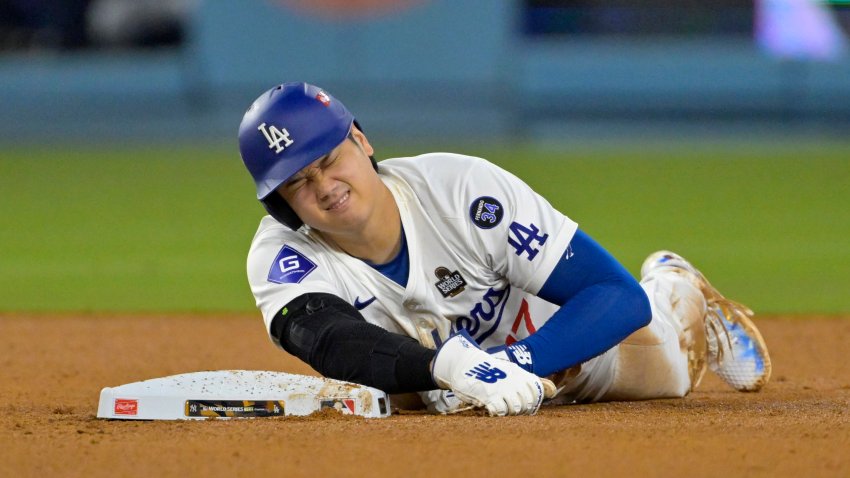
(735, 349)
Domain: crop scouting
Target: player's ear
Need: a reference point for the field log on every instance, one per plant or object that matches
(362, 140)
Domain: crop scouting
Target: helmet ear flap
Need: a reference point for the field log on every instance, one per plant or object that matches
(279, 209)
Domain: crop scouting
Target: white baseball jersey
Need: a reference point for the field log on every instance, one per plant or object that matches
(480, 244)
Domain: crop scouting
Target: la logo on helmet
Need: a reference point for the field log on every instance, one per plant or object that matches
(278, 139)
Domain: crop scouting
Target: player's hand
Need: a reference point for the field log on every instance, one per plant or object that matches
(502, 387)
(517, 353)
(443, 402)
(520, 355)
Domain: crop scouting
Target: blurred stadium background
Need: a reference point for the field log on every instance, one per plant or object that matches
(718, 130)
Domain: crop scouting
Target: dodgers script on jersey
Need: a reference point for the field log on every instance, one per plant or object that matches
(481, 244)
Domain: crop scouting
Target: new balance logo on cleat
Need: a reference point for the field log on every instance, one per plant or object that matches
(486, 373)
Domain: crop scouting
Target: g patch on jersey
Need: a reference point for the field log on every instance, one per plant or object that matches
(290, 267)
(486, 212)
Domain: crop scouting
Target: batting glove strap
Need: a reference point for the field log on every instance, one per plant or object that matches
(518, 353)
(477, 378)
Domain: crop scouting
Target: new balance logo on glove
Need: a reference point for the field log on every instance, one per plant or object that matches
(486, 373)
(521, 354)
(462, 367)
(517, 353)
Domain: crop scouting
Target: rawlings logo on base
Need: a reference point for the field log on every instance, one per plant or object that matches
(124, 406)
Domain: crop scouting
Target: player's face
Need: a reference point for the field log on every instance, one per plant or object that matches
(337, 193)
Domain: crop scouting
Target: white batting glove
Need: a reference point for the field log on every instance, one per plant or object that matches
(443, 402)
(502, 387)
(517, 353)
(520, 355)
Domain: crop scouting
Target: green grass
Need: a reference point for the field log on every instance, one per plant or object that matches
(125, 229)
(167, 228)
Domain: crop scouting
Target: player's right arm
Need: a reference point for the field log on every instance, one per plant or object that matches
(332, 336)
(302, 299)
(306, 315)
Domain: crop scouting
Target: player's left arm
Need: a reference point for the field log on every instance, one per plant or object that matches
(601, 304)
(540, 250)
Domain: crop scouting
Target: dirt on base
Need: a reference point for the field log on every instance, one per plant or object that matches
(53, 368)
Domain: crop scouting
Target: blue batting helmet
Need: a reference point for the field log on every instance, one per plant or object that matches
(285, 129)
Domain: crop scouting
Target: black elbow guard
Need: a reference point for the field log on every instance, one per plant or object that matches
(330, 334)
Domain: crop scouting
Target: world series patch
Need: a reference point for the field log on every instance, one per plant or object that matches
(450, 283)
(486, 212)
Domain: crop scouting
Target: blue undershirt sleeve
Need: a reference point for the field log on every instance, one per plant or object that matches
(601, 304)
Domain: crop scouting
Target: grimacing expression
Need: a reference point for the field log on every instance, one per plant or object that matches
(337, 193)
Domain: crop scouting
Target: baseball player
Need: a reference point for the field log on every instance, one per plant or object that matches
(445, 275)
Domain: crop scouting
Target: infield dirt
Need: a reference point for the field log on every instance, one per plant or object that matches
(53, 367)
